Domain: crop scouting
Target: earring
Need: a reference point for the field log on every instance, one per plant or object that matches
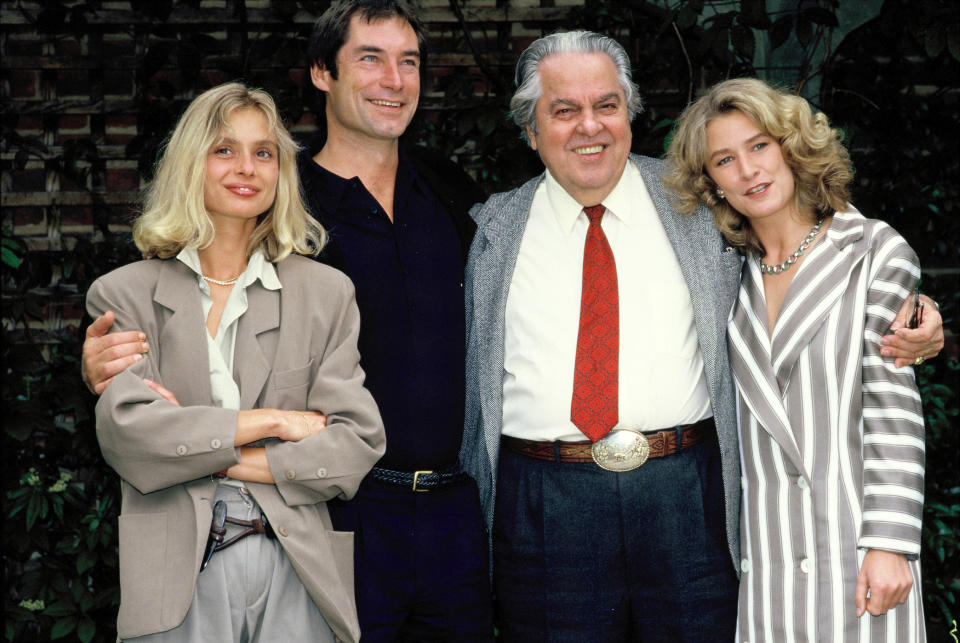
(720, 193)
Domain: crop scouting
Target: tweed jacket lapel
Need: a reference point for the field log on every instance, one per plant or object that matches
(500, 226)
(256, 343)
(709, 266)
(183, 361)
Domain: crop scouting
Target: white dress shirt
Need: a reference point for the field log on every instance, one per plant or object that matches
(661, 379)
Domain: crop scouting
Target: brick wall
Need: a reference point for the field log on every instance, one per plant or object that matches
(76, 82)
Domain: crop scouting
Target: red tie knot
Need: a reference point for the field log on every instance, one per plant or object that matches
(595, 213)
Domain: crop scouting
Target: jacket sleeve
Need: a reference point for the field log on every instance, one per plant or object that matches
(333, 462)
(893, 433)
(151, 443)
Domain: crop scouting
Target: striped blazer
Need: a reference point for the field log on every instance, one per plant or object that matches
(832, 441)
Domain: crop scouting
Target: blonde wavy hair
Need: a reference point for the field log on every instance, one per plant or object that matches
(811, 148)
(174, 215)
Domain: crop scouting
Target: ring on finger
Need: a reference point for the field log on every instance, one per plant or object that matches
(918, 361)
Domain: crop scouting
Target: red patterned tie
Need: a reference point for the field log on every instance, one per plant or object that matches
(595, 406)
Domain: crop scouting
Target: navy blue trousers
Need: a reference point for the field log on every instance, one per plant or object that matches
(582, 554)
(421, 562)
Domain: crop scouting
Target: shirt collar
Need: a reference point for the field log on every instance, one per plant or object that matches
(257, 268)
(618, 203)
(407, 179)
(319, 180)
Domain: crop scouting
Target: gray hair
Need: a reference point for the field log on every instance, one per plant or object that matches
(523, 105)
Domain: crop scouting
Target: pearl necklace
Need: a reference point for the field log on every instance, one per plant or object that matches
(228, 282)
(776, 269)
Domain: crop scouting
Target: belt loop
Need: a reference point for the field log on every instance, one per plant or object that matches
(679, 431)
(556, 451)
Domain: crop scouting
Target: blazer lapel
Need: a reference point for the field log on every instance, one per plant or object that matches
(815, 290)
(255, 347)
(183, 361)
(500, 229)
(752, 368)
(710, 267)
(762, 366)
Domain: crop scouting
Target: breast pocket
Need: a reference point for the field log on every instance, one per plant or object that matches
(290, 387)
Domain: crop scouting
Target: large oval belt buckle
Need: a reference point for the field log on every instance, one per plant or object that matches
(621, 450)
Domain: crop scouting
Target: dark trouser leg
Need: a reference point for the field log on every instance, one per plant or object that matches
(453, 601)
(558, 558)
(420, 561)
(683, 586)
(582, 554)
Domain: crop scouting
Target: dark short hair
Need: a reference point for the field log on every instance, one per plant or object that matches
(331, 29)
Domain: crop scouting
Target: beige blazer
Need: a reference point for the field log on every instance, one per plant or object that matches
(296, 348)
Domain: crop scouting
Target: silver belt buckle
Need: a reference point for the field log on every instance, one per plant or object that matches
(621, 450)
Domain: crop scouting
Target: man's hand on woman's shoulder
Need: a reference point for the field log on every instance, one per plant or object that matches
(106, 354)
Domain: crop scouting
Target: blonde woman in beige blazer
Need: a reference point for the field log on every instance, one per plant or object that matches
(831, 432)
(251, 394)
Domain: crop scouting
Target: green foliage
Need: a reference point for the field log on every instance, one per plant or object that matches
(60, 500)
(939, 383)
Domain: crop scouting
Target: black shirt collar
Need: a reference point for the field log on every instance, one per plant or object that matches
(317, 180)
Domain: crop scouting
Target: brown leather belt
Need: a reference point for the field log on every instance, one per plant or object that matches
(662, 443)
(218, 530)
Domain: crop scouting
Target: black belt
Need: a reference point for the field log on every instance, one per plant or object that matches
(419, 480)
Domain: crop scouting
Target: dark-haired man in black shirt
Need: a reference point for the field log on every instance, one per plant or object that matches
(399, 227)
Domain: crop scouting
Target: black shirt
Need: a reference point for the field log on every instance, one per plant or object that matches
(408, 276)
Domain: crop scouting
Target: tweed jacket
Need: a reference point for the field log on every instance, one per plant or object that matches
(296, 348)
(710, 269)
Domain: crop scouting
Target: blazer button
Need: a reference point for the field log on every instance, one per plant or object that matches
(321, 473)
(291, 474)
(282, 531)
(215, 443)
(181, 449)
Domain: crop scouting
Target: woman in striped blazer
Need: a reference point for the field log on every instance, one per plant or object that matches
(831, 433)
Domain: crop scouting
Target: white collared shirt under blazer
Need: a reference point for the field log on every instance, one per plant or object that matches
(543, 317)
(831, 438)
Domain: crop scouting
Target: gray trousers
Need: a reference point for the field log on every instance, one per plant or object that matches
(248, 592)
